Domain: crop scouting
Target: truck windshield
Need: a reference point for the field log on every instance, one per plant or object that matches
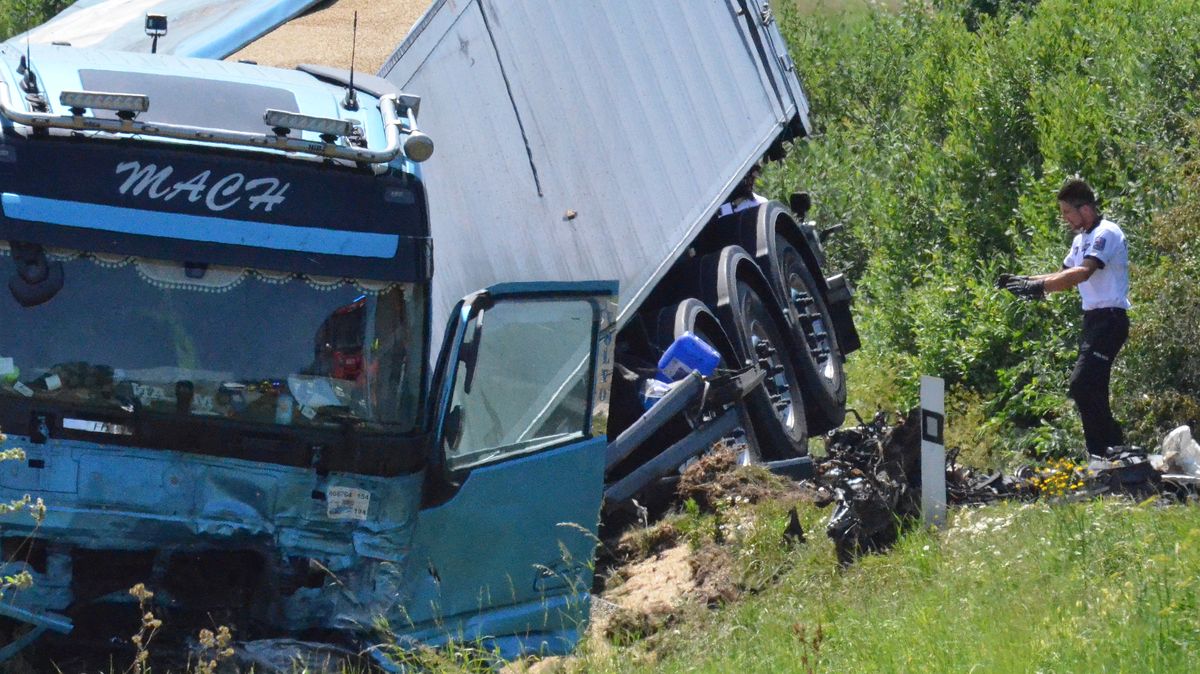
(245, 344)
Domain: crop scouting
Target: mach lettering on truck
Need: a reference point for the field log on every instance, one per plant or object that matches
(223, 194)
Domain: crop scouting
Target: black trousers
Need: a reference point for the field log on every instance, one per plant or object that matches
(1104, 332)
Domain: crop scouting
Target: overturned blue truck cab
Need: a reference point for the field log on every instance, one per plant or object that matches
(214, 350)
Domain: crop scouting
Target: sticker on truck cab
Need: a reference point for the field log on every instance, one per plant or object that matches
(347, 503)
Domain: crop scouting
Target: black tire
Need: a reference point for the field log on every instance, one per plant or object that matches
(819, 360)
(692, 315)
(756, 325)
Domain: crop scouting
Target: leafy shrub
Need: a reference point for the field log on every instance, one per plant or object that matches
(1160, 374)
(18, 16)
(944, 133)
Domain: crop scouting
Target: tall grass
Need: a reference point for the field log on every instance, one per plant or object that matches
(1084, 587)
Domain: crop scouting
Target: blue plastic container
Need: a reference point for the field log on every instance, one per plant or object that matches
(687, 353)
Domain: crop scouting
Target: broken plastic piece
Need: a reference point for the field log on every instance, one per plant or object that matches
(1181, 453)
(653, 391)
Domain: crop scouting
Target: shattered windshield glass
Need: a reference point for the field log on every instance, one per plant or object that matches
(246, 344)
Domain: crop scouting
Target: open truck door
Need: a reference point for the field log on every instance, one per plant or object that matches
(506, 535)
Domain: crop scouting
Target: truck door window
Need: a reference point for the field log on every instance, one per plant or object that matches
(522, 382)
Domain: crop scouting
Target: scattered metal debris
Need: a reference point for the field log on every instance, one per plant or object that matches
(871, 473)
(1124, 470)
(793, 534)
(968, 486)
(282, 656)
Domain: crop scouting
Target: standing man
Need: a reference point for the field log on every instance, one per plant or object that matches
(1099, 265)
(743, 195)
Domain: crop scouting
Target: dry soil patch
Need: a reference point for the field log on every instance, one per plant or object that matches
(323, 35)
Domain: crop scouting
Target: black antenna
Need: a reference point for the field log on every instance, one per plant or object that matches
(29, 81)
(350, 102)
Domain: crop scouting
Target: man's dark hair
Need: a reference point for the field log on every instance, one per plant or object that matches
(745, 187)
(1077, 193)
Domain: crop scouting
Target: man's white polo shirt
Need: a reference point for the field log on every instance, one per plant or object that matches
(729, 208)
(1108, 286)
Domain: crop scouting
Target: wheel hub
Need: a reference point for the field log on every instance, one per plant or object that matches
(776, 381)
(816, 334)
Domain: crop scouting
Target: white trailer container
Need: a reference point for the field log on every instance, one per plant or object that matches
(582, 140)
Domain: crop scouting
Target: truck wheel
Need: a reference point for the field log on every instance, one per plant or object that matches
(691, 315)
(820, 361)
(776, 409)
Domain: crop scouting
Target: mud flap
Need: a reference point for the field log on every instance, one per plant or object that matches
(839, 299)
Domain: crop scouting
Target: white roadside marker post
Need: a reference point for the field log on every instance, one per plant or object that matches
(933, 451)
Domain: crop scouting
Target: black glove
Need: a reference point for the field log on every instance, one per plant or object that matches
(1022, 286)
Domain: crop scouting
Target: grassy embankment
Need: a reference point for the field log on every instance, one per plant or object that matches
(1103, 586)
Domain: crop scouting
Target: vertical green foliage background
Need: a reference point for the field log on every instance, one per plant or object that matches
(17, 16)
(944, 130)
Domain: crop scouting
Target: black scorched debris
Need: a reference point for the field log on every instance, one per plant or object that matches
(1124, 470)
(872, 472)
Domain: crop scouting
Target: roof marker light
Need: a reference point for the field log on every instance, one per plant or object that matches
(329, 128)
(78, 101)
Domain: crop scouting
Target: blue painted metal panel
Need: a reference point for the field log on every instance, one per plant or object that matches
(137, 499)
(511, 553)
(204, 28)
(200, 228)
(127, 203)
(487, 629)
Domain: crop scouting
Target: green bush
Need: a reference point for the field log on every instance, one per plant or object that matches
(1160, 373)
(18, 16)
(944, 132)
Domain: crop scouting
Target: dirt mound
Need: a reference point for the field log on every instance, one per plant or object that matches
(323, 35)
(640, 543)
(660, 573)
(716, 478)
(652, 593)
(713, 581)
